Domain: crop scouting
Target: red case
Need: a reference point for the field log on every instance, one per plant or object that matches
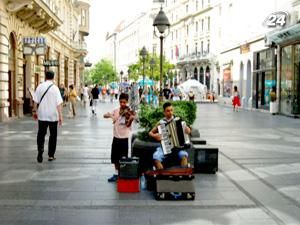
(128, 185)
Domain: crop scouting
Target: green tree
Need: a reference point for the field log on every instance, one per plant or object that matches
(87, 77)
(136, 69)
(103, 72)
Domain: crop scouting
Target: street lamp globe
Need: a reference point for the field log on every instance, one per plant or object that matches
(121, 73)
(143, 53)
(161, 21)
(152, 62)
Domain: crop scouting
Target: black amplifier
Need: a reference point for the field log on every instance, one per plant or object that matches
(129, 168)
(205, 159)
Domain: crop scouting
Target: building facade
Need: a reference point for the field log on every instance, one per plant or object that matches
(191, 44)
(286, 42)
(34, 33)
(128, 38)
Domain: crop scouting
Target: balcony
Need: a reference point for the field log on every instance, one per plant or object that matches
(83, 9)
(194, 57)
(80, 47)
(36, 13)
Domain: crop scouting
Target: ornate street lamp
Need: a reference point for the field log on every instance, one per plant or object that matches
(128, 72)
(144, 54)
(152, 64)
(161, 23)
(121, 73)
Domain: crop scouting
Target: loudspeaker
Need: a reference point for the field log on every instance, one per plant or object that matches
(206, 159)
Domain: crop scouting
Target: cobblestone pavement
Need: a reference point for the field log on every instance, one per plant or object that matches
(258, 180)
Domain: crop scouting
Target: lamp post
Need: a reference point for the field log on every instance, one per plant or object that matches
(161, 23)
(152, 64)
(121, 73)
(128, 72)
(144, 54)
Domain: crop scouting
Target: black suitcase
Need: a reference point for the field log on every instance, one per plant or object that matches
(206, 159)
(175, 188)
(174, 173)
(129, 168)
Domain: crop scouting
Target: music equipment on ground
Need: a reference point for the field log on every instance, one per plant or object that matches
(128, 179)
(128, 185)
(174, 183)
(205, 159)
(129, 168)
(173, 135)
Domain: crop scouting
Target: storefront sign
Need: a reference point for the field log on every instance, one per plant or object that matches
(285, 35)
(34, 41)
(245, 48)
(51, 62)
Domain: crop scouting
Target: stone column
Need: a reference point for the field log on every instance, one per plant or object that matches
(4, 38)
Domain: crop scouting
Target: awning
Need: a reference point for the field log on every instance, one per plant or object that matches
(284, 36)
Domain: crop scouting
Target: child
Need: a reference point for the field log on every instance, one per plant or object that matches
(158, 155)
(122, 119)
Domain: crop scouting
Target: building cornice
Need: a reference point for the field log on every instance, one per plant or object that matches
(257, 39)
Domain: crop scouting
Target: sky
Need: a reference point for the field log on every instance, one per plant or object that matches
(105, 15)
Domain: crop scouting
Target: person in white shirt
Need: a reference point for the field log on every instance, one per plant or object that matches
(85, 95)
(48, 100)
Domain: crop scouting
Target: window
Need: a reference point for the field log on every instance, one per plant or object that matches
(187, 30)
(187, 8)
(176, 32)
(187, 50)
(202, 4)
(196, 48)
(201, 47)
(202, 25)
(171, 53)
(208, 46)
(208, 23)
(197, 5)
(196, 26)
(172, 35)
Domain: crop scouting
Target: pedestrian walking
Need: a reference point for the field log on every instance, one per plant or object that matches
(47, 109)
(95, 97)
(63, 93)
(122, 120)
(72, 100)
(104, 93)
(85, 95)
(116, 91)
(236, 102)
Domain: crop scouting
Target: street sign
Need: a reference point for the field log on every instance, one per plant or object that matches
(51, 62)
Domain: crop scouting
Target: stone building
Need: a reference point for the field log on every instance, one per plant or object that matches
(32, 33)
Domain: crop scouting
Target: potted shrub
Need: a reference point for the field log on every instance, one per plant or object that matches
(144, 146)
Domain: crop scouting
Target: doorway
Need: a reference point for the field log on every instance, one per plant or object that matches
(264, 83)
(11, 76)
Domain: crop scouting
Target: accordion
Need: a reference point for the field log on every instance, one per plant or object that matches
(173, 135)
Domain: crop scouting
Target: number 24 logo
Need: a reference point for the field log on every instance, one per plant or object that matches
(276, 19)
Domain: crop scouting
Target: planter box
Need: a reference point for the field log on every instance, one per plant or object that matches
(144, 151)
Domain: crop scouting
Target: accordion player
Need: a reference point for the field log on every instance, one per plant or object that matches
(173, 135)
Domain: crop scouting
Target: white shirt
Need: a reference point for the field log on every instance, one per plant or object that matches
(86, 91)
(47, 110)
